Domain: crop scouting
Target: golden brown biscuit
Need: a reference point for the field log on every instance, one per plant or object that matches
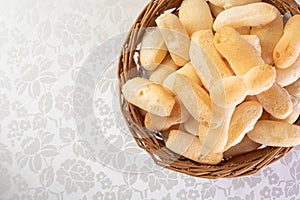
(287, 49)
(195, 15)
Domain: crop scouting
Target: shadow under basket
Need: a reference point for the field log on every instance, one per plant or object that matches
(153, 142)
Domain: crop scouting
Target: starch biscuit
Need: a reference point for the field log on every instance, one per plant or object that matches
(149, 96)
(268, 41)
(259, 79)
(287, 49)
(241, 59)
(254, 14)
(195, 15)
(189, 146)
(153, 49)
(194, 98)
(206, 59)
(175, 37)
(242, 121)
(166, 68)
(275, 133)
(225, 4)
(276, 101)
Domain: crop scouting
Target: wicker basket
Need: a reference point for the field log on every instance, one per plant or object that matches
(153, 142)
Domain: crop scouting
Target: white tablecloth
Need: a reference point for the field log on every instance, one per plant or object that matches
(58, 99)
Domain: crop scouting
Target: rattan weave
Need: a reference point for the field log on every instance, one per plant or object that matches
(153, 142)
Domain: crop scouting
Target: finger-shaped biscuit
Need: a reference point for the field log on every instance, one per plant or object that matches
(288, 75)
(195, 128)
(195, 15)
(153, 49)
(268, 41)
(275, 133)
(157, 123)
(149, 96)
(166, 68)
(241, 59)
(259, 79)
(294, 88)
(194, 98)
(232, 3)
(206, 59)
(215, 139)
(254, 41)
(276, 101)
(188, 70)
(287, 49)
(228, 92)
(254, 14)
(245, 146)
(242, 121)
(191, 125)
(189, 146)
(175, 36)
(292, 118)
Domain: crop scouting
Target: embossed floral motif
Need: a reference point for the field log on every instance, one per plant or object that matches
(74, 175)
(5, 154)
(102, 107)
(98, 196)
(72, 27)
(4, 106)
(4, 180)
(193, 194)
(35, 78)
(249, 180)
(109, 196)
(3, 33)
(104, 181)
(64, 101)
(189, 181)
(73, 101)
(273, 178)
(182, 194)
(265, 192)
(40, 194)
(268, 171)
(36, 150)
(277, 192)
(160, 179)
(16, 129)
(21, 184)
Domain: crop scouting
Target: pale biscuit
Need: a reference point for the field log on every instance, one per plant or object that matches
(195, 15)
(149, 96)
(153, 49)
(268, 41)
(254, 14)
(175, 37)
(276, 101)
(241, 59)
(275, 133)
(189, 146)
(287, 49)
(242, 121)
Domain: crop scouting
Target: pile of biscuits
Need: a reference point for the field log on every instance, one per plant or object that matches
(224, 79)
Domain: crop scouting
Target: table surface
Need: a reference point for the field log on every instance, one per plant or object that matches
(62, 133)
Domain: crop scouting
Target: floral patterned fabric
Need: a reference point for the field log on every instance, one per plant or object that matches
(62, 135)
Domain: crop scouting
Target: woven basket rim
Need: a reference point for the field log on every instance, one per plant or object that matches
(152, 142)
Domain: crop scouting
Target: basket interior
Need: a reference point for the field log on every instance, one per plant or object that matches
(153, 142)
